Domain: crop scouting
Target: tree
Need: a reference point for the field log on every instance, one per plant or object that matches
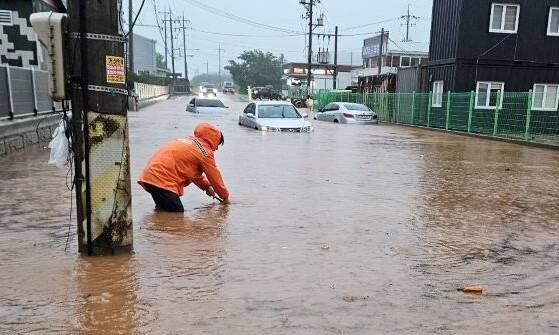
(256, 69)
(159, 62)
(210, 78)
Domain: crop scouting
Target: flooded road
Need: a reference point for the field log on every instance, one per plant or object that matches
(347, 230)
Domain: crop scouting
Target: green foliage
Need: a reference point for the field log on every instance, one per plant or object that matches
(256, 68)
(210, 78)
(159, 61)
(148, 79)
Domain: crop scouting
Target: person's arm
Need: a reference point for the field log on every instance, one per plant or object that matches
(202, 183)
(214, 178)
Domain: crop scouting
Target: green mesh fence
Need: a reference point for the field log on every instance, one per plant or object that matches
(508, 115)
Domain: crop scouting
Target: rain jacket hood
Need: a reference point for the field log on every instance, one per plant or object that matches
(209, 134)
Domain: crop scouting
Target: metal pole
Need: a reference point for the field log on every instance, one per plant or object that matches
(471, 110)
(10, 93)
(412, 106)
(448, 98)
(496, 118)
(130, 38)
(309, 59)
(335, 84)
(528, 116)
(34, 87)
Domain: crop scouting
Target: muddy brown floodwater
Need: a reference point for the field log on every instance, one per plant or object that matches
(347, 230)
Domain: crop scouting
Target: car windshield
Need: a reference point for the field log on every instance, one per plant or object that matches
(277, 111)
(228, 84)
(356, 107)
(209, 103)
(209, 86)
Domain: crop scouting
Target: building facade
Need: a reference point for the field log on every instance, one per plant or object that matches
(144, 55)
(394, 55)
(18, 42)
(489, 46)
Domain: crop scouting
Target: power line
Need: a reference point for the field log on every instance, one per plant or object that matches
(236, 18)
(370, 24)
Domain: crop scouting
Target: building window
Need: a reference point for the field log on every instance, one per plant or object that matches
(6, 18)
(404, 61)
(486, 94)
(504, 18)
(545, 97)
(553, 24)
(414, 61)
(437, 93)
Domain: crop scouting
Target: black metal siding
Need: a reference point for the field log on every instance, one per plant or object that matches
(446, 73)
(444, 29)
(529, 44)
(516, 79)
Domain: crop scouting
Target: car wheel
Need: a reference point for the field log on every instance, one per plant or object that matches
(336, 121)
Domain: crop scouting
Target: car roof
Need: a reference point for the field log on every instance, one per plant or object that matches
(272, 102)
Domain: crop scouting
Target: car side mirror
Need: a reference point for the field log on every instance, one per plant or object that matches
(190, 105)
(250, 115)
(305, 116)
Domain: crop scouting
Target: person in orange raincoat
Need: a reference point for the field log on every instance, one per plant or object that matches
(183, 161)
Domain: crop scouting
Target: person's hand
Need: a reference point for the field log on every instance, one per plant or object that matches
(210, 191)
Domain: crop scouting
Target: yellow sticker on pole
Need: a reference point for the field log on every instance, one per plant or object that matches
(115, 69)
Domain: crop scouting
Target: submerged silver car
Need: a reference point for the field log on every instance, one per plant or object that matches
(274, 116)
(346, 112)
(202, 105)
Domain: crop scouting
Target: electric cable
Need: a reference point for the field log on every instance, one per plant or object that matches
(134, 22)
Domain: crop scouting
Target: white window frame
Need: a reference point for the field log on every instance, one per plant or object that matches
(488, 95)
(438, 91)
(549, 32)
(543, 108)
(11, 14)
(503, 16)
(409, 61)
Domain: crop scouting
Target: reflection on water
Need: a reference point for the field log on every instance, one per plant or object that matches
(348, 230)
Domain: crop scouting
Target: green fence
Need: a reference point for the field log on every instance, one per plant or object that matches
(513, 117)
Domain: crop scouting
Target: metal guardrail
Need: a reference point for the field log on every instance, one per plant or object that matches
(23, 92)
(147, 91)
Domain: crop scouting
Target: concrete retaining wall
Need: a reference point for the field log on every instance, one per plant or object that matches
(18, 134)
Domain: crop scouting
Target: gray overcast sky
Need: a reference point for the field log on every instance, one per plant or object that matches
(351, 16)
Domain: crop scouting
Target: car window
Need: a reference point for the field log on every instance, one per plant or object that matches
(334, 107)
(249, 109)
(192, 101)
(356, 107)
(209, 103)
(277, 112)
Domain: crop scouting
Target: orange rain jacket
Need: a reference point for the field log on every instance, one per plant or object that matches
(186, 160)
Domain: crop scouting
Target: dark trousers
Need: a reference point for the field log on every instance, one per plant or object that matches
(165, 200)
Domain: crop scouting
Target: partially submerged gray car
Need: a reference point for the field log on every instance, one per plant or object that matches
(274, 116)
(346, 112)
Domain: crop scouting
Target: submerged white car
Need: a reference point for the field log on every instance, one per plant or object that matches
(274, 116)
(346, 112)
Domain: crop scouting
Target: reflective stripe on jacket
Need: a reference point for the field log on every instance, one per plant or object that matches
(187, 160)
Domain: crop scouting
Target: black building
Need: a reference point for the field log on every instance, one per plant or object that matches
(18, 44)
(489, 45)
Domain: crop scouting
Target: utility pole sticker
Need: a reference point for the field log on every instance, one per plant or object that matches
(115, 69)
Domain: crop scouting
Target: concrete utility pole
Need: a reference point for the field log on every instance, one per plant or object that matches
(220, 50)
(309, 6)
(380, 50)
(165, 28)
(309, 59)
(408, 17)
(184, 21)
(172, 48)
(102, 157)
(130, 38)
(335, 84)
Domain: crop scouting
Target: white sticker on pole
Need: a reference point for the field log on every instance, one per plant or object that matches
(115, 69)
